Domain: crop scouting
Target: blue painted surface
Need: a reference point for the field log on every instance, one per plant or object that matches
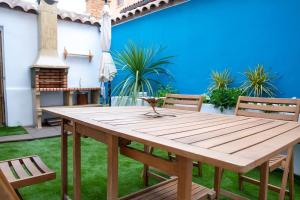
(214, 34)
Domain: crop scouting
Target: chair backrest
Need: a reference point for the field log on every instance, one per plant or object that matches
(183, 102)
(270, 108)
(6, 190)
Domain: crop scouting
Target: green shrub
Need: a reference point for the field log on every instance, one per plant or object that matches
(206, 98)
(144, 68)
(259, 82)
(162, 91)
(225, 97)
(220, 80)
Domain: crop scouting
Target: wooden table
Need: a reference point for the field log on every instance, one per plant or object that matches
(235, 143)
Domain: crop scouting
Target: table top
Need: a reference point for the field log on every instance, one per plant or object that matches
(233, 142)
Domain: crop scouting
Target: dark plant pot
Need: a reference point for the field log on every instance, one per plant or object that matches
(82, 98)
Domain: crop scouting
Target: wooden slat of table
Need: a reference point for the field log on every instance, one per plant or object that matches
(179, 121)
(111, 117)
(224, 122)
(276, 144)
(208, 127)
(94, 111)
(197, 136)
(233, 136)
(243, 143)
(142, 119)
(172, 131)
(170, 120)
(196, 125)
(114, 118)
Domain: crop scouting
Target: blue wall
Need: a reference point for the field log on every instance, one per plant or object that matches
(214, 34)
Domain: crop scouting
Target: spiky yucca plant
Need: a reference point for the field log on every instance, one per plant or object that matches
(259, 82)
(144, 69)
(220, 80)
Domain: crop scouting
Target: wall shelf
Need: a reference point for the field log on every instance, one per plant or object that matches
(68, 54)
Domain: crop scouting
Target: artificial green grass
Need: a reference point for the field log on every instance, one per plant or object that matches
(94, 171)
(7, 131)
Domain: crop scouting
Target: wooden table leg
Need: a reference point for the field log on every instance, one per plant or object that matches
(64, 161)
(112, 167)
(184, 188)
(217, 181)
(285, 174)
(291, 180)
(264, 180)
(146, 168)
(76, 163)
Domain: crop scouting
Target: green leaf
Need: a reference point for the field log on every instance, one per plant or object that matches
(220, 80)
(259, 82)
(145, 68)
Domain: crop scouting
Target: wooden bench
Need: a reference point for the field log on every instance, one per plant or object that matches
(269, 108)
(178, 102)
(167, 190)
(23, 172)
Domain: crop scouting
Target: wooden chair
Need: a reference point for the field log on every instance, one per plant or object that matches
(21, 172)
(6, 190)
(183, 102)
(269, 108)
(178, 102)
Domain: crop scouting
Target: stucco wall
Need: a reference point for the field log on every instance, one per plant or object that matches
(206, 35)
(20, 51)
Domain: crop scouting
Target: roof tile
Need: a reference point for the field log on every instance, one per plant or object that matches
(62, 14)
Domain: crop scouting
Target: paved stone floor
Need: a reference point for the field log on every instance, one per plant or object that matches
(33, 134)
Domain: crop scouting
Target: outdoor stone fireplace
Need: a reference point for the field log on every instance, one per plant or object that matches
(50, 73)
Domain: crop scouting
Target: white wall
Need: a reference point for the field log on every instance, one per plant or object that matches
(20, 51)
(80, 38)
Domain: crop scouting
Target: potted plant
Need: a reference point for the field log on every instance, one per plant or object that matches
(220, 80)
(221, 98)
(259, 82)
(225, 99)
(144, 70)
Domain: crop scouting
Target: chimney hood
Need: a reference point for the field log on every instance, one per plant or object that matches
(47, 22)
